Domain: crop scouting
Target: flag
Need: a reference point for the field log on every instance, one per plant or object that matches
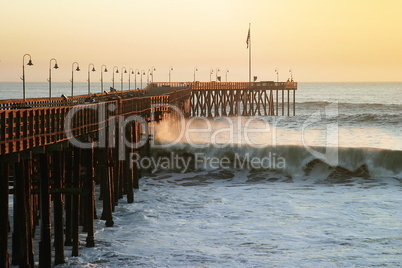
(248, 37)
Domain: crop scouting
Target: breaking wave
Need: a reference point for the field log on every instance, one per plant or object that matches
(294, 161)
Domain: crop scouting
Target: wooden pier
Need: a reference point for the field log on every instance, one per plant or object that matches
(52, 152)
(242, 99)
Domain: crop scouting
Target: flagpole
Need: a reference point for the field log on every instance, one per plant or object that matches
(249, 55)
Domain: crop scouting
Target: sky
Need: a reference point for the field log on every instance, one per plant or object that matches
(319, 40)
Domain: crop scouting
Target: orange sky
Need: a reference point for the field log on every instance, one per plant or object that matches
(321, 40)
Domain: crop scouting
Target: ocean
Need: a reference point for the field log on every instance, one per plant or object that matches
(319, 189)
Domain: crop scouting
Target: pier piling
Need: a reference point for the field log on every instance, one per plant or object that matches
(4, 211)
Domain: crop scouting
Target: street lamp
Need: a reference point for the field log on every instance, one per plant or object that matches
(89, 76)
(102, 70)
(72, 77)
(130, 72)
(50, 76)
(142, 73)
(152, 73)
(227, 74)
(117, 71)
(277, 74)
(136, 71)
(23, 73)
(170, 69)
(125, 71)
(291, 75)
(211, 71)
(149, 71)
(217, 70)
(195, 70)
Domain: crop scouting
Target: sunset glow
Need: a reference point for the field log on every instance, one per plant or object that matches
(319, 40)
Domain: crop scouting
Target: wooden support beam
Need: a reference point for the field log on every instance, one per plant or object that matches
(22, 236)
(116, 167)
(29, 225)
(106, 188)
(4, 212)
(128, 172)
(45, 247)
(105, 167)
(76, 203)
(69, 155)
(58, 213)
(90, 196)
(277, 102)
(137, 137)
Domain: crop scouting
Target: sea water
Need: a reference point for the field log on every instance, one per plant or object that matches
(334, 201)
(14, 90)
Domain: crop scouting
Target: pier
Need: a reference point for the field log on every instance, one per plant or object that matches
(54, 151)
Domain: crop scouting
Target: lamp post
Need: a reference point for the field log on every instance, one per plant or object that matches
(23, 73)
(136, 71)
(291, 75)
(277, 74)
(227, 74)
(89, 76)
(130, 72)
(195, 70)
(170, 69)
(125, 71)
(72, 76)
(50, 76)
(117, 71)
(142, 73)
(211, 71)
(102, 70)
(217, 70)
(148, 72)
(152, 73)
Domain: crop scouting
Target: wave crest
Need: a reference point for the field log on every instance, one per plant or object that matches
(291, 160)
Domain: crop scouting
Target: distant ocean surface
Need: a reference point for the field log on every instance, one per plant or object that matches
(13, 90)
(328, 195)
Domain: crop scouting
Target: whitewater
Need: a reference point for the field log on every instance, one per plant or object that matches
(328, 191)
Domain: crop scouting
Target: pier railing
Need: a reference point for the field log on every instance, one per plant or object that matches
(172, 84)
(268, 85)
(22, 129)
(69, 101)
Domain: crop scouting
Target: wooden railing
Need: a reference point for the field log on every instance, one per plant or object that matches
(12, 104)
(268, 85)
(171, 84)
(22, 129)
